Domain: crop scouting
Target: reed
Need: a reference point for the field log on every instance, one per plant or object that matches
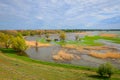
(63, 56)
(108, 35)
(108, 54)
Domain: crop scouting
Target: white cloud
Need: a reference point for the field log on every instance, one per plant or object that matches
(39, 17)
(62, 12)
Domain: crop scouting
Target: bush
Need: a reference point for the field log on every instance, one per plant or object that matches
(19, 44)
(5, 39)
(47, 35)
(105, 69)
(48, 39)
(62, 36)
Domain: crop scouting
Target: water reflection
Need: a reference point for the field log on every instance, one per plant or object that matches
(36, 49)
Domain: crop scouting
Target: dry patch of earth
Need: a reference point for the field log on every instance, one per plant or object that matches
(37, 44)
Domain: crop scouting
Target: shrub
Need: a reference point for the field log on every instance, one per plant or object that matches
(101, 70)
(105, 69)
(47, 35)
(62, 36)
(48, 39)
(19, 44)
(5, 39)
(109, 69)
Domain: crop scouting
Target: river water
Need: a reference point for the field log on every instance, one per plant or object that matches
(46, 53)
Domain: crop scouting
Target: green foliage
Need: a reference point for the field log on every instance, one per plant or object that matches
(19, 44)
(42, 40)
(62, 36)
(25, 33)
(105, 69)
(113, 39)
(5, 39)
(48, 40)
(20, 35)
(47, 35)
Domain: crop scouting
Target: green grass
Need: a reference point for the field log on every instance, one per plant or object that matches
(14, 67)
(114, 39)
(42, 40)
(93, 38)
(91, 41)
(87, 41)
(12, 53)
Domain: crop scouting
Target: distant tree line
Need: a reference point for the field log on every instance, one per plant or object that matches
(80, 30)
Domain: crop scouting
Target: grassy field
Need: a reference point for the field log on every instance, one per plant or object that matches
(14, 67)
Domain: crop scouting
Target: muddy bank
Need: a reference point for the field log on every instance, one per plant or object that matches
(37, 44)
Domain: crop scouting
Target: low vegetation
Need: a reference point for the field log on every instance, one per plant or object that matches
(62, 55)
(13, 67)
(108, 35)
(36, 44)
(105, 55)
(105, 70)
(62, 36)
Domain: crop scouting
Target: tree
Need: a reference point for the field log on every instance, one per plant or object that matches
(109, 70)
(105, 69)
(47, 35)
(62, 36)
(101, 70)
(5, 39)
(19, 44)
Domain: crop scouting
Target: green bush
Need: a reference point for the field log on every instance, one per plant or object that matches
(105, 69)
(62, 36)
(47, 35)
(19, 44)
(48, 39)
(5, 39)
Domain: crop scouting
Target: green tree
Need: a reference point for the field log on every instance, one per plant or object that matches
(62, 36)
(6, 39)
(101, 70)
(47, 35)
(105, 69)
(109, 69)
(19, 44)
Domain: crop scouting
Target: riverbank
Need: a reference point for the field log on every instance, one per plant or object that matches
(13, 67)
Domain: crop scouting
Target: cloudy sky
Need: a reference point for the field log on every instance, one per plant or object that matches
(59, 14)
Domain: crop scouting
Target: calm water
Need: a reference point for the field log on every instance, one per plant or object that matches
(46, 53)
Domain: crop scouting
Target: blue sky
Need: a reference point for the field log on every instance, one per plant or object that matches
(59, 14)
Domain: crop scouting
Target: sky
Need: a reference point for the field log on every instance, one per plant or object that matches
(59, 14)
